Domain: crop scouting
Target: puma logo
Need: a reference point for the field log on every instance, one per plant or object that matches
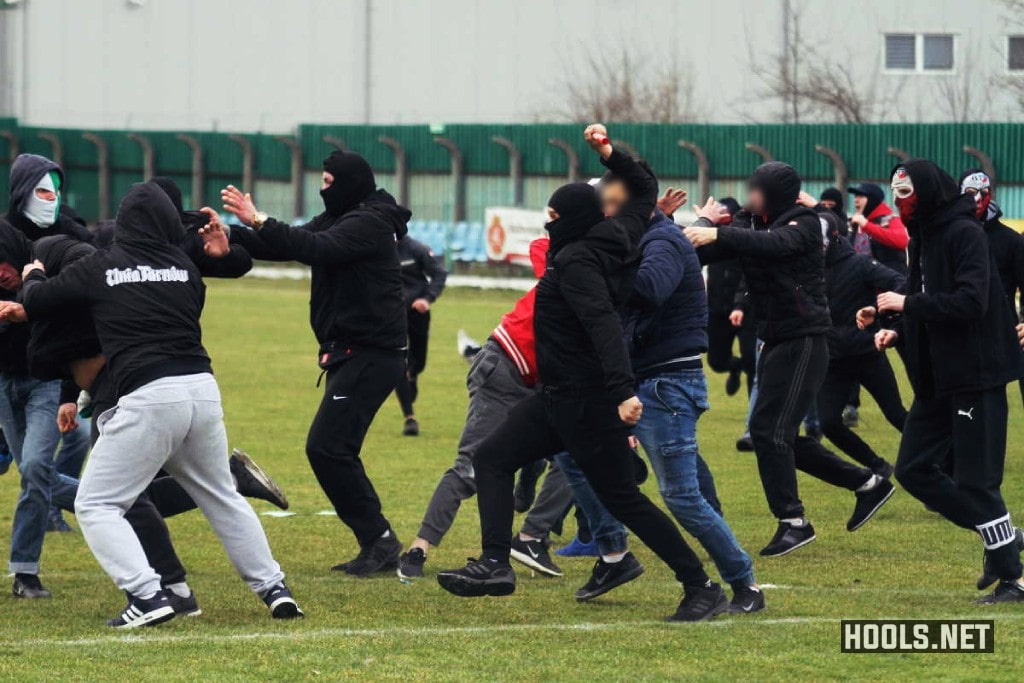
(969, 414)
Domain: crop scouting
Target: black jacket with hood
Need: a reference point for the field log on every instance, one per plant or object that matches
(783, 258)
(853, 281)
(144, 294)
(1007, 246)
(16, 251)
(591, 269)
(423, 272)
(356, 296)
(26, 172)
(956, 330)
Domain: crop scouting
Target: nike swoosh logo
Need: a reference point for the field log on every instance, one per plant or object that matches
(532, 554)
(748, 608)
(339, 398)
(600, 580)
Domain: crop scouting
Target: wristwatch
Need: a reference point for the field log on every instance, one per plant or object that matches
(258, 219)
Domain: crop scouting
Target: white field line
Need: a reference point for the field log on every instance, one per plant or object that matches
(428, 631)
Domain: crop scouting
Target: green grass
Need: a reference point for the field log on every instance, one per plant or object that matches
(906, 563)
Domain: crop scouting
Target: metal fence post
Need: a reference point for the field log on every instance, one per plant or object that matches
(103, 174)
(401, 167)
(198, 175)
(148, 157)
(703, 169)
(458, 177)
(515, 168)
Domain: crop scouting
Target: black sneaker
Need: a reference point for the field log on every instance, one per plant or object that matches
(788, 538)
(733, 382)
(281, 603)
(411, 428)
(57, 523)
(141, 612)
(701, 604)
(604, 576)
(252, 482)
(186, 606)
(479, 578)
(746, 600)
(988, 575)
(380, 556)
(29, 586)
(883, 468)
(534, 554)
(1006, 591)
(869, 502)
(745, 444)
(410, 565)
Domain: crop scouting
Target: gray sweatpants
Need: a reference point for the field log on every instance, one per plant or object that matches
(174, 423)
(495, 385)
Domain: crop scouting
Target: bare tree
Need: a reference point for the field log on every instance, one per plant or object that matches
(1014, 82)
(629, 87)
(959, 95)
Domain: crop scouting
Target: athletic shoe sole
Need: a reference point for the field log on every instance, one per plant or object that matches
(790, 549)
(280, 500)
(721, 607)
(875, 509)
(404, 578)
(285, 608)
(466, 588)
(157, 616)
(529, 561)
(634, 573)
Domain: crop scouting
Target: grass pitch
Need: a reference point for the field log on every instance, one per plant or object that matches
(906, 563)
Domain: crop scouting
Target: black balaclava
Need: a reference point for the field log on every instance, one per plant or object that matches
(353, 182)
(780, 185)
(146, 216)
(578, 210)
(934, 189)
(834, 194)
(173, 191)
(14, 247)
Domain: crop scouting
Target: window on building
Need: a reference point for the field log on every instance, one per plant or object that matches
(901, 52)
(1015, 59)
(937, 53)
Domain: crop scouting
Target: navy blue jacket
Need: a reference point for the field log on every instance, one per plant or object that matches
(667, 317)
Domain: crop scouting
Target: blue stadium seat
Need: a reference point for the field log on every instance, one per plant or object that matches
(418, 230)
(458, 244)
(437, 236)
(478, 242)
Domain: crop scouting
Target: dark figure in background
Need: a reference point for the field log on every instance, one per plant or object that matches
(423, 278)
(724, 284)
(357, 313)
(960, 353)
(876, 230)
(1005, 243)
(783, 260)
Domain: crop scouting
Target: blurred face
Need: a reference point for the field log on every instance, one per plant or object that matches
(10, 278)
(829, 204)
(755, 201)
(859, 202)
(328, 180)
(613, 196)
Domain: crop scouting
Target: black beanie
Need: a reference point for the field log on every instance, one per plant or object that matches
(833, 194)
(353, 182)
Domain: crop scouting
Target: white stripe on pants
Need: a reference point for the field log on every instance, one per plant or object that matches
(174, 423)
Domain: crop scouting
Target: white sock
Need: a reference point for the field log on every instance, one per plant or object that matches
(386, 534)
(871, 483)
(794, 521)
(613, 559)
(150, 596)
(180, 589)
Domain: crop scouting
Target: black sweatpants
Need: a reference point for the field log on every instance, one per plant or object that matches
(873, 372)
(789, 377)
(587, 425)
(416, 359)
(354, 392)
(721, 337)
(969, 428)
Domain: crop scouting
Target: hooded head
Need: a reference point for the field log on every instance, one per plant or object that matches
(36, 187)
(59, 251)
(976, 183)
(866, 197)
(731, 204)
(613, 190)
(15, 253)
(774, 188)
(172, 190)
(578, 209)
(348, 180)
(147, 216)
(921, 189)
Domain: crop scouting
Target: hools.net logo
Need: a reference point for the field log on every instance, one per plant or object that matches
(904, 635)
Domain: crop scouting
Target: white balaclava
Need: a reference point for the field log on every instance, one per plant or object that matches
(41, 211)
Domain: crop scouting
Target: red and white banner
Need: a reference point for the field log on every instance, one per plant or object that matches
(509, 232)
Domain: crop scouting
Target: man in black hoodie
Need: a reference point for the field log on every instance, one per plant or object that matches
(145, 297)
(960, 353)
(589, 400)
(357, 312)
(783, 259)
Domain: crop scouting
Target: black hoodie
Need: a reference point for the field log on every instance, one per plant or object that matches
(144, 294)
(15, 250)
(26, 172)
(783, 258)
(956, 329)
(580, 341)
(356, 298)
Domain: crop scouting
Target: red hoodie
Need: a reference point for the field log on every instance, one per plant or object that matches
(886, 228)
(515, 333)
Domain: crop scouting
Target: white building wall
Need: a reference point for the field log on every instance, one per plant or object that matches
(271, 64)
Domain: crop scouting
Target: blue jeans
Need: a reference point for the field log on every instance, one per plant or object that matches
(74, 447)
(28, 416)
(609, 532)
(673, 402)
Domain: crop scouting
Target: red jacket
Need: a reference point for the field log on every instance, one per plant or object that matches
(886, 228)
(515, 333)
